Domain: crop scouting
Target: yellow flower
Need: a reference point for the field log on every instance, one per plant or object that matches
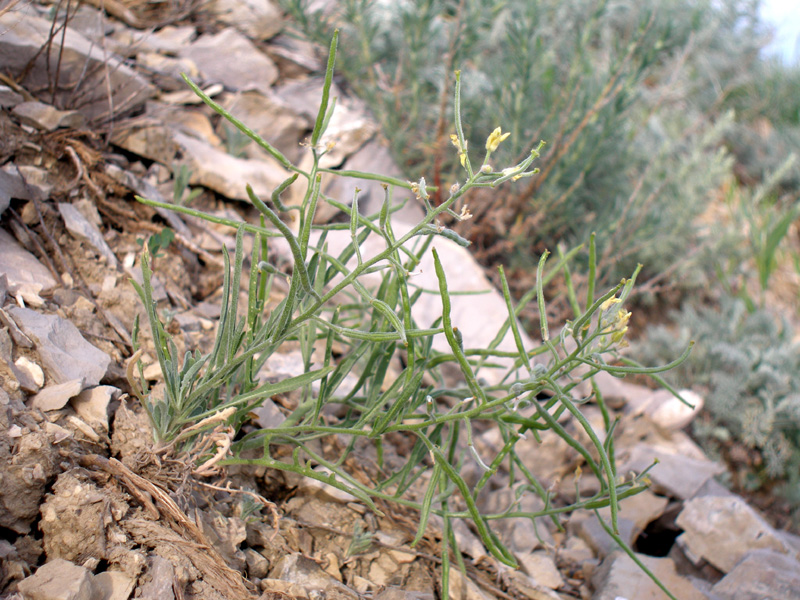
(462, 151)
(493, 141)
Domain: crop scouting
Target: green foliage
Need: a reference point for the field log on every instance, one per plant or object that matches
(158, 242)
(625, 92)
(181, 175)
(331, 304)
(749, 365)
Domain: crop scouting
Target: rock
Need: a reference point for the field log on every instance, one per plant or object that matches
(82, 229)
(148, 190)
(619, 577)
(666, 411)
(349, 128)
(640, 510)
(65, 354)
(761, 575)
(55, 397)
(230, 58)
(541, 567)
(92, 405)
(167, 70)
(209, 166)
(167, 40)
(301, 52)
(722, 529)
(324, 491)
(676, 474)
(395, 593)
(268, 415)
(270, 117)
(592, 532)
(463, 588)
(372, 157)
(30, 375)
(82, 66)
(257, 565)
(9, 97)
(115, 585)
(60, 580)
(14, 184)
(38, 179)
(296, 568)
(162, 576)
(27, 277)
(225, 534)
(257, 19)
(47, 118)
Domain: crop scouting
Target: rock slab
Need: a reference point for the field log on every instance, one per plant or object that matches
(66, 355)
(60, 580)
(722, 529)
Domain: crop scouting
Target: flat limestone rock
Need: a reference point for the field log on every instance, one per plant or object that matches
(722, 529)
(65, 354)
(258, 19)
(55, 397)
(619, 578)
(59, 579)
(230, 58)
(80, 227)
(82, 66)
(761, 575)
(676, 474)
(45, 117)
(209, 166)
(26, 275)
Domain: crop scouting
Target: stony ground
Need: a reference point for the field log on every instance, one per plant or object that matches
(94, 113)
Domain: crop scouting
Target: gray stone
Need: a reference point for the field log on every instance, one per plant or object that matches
(257, 564)
(27, 182)
(147, 190)
(230, 58)
(82, 66)
(620, 578)
(82, 229)
(162, 575)
(297, 569)
(541, 567)
(373, 157)
(92, 405)
(167, 70)
(29, 374)
(167, 40)
(55, 397)
(59, 579)
(26, 276)
(258, 19)
(592, 532)
(64, 353)
(722, 529)
(676, 474)
(9, 97)
(270, 117)
(209, 166)
(46, 117)
(115, 585)
(667, 411)
(349, 128)
(395, 593)
(761, 575)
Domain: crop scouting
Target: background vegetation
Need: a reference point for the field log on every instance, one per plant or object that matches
(668, 134)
